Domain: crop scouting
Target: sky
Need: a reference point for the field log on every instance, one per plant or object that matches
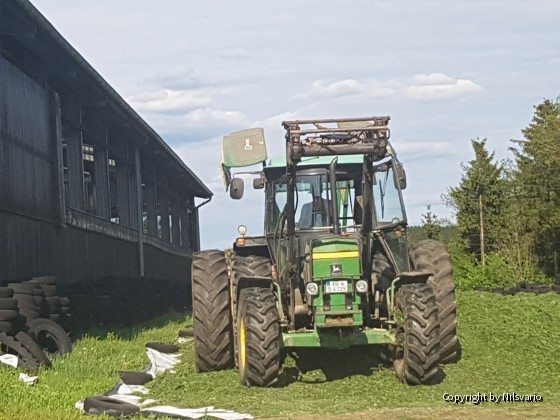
(444, 71)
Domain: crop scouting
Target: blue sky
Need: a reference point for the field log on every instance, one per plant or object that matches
(445, 71)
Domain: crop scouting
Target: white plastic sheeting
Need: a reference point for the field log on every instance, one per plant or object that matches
(160, 362)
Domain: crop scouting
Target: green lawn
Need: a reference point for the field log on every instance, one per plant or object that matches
(509, 344)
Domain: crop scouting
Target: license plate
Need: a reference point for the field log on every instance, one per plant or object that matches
(338, 286)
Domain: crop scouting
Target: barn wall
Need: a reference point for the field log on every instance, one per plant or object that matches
(28, 247)
(70, 158)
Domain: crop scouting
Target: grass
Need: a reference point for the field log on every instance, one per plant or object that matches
(509, 344)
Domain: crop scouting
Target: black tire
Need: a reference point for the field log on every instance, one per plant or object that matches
(186, 333)
(38, 292)
(248, 266)
(53, 301)
(30, 314)
(109, 406)
(25, 299)
(213, 324)
(6, 292)
(50, 336)
(8, 315)
(31, 345)
(29, 307)
(163, 347)
(8, 303)
(245, 266)
(48, 290)
(10, 345)
(6, 327)
(258, 336)
(433, 257)
(21, 289)
(417, 360)
(135, 378)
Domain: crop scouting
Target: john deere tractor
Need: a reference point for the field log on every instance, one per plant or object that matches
(333, 268)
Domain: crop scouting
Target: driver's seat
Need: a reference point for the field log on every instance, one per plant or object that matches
(315, 214)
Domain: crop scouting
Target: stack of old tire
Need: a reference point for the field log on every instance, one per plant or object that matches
(52, 305)
(28, 322)
(24, 294)
(11, 320)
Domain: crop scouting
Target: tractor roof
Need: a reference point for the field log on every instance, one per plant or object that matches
(280, 162)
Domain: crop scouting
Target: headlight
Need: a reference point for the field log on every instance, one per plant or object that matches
(242, 229)
(361, 286)
(312, 289)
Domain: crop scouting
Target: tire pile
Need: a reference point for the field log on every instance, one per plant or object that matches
(523, 287)
(30, 313)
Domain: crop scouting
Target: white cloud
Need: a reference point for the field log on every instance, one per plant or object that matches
(433, 86)
(167, 100)
(436, 86)
(348, 87)
(208, 116)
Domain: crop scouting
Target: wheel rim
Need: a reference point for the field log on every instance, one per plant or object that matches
(242, 344)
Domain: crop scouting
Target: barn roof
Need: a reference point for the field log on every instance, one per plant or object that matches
(28, 38)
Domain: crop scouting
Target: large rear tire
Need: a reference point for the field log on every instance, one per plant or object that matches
(213, 324)
(417, 358)
(258, 337)
(432, 256)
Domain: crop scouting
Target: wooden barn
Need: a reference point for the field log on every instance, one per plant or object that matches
(88, 190)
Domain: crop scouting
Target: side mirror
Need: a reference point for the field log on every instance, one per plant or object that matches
(258, 183)
(400, 176)
(236, 188)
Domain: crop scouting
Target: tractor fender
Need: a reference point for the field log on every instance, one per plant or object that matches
(405, 278)
(412, 277)
(253, 281)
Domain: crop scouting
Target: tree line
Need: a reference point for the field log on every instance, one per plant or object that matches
(507, 227)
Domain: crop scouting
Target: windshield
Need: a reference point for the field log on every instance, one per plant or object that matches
(313, 202)
(388, 205)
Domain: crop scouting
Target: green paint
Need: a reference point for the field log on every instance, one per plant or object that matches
(280, 162)
(332, 308)
(335, 244)
(339, 338)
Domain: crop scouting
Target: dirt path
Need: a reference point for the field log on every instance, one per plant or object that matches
(544, 411)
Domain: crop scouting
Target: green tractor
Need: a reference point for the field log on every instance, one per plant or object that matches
(333, 268)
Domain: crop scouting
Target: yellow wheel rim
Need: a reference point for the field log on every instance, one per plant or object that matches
(242, 344)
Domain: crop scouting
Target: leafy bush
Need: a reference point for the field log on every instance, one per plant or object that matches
(499, 271)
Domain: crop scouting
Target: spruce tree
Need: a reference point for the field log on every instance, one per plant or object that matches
(537, 181)
(431, 224)
(478, 201)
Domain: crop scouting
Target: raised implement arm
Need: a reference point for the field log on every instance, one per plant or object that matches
(331, 137)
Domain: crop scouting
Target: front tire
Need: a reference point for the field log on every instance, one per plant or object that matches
(213, 323)
(417, 358)
(245, 266)
(258, 337)
(432, 256)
